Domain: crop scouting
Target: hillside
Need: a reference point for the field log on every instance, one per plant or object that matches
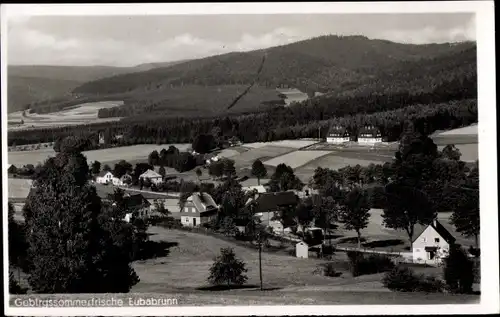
(24, 91)
(318, 64)
(30, 85)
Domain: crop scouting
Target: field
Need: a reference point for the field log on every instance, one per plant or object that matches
(111, 155)
(337, 160)
(469, 130)
(288, 280)
(244, 160)
(294, 144)
(82, 114)
(297, 158)
(18, 187)
(470, 152)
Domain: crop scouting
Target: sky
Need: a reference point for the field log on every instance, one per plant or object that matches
(133, 40)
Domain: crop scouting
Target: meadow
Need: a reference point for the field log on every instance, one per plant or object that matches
(110, 155)
(81, 114)
(287, 280)
(297, 158)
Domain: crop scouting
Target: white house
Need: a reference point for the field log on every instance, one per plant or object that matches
(432, 245)
(338, 134)
(302, 250)
(153, 176)
(199, 208)
(105, 177)
(369, 135)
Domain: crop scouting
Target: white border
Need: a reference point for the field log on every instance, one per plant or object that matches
(487, 135)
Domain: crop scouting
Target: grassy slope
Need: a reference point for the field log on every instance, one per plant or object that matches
(186, 268)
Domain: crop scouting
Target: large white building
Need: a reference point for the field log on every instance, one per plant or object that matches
(338, 134)
(369, 135)
(153, 176)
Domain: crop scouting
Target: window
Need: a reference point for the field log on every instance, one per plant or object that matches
(436, 240)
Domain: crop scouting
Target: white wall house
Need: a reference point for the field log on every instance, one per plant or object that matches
(105, 178)
(153, 176)
(432, 245)
(199, 208)
(369, 135)
(338, 134)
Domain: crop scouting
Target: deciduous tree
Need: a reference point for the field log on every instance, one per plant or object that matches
(355, 212)
(259, 170)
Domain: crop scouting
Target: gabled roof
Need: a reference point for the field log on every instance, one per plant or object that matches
(136, 200)
(440, 229)
(102, 173)
(203, 202)
(150, 174)
(373, 131)
(270, 201)
(338, 131)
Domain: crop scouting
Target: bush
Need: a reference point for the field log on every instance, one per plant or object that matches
(429, 284)
(403, 279)
(329, 270)
(458, 271)
(476, 252)
(374, 263)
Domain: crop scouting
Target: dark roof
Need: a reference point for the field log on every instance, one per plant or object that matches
(440, 229)
(369, 131)
(270, 201)
(136, 200)
(102, 173)
(338, 131)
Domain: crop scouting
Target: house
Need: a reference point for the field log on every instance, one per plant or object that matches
(198, 209)
(137, 205)
(302, 250)
(258, 188)
(291, 95)
(125, 180)
(271, 202)
(338, 134)
(432, 244)
(369, 135)
(153, 176)
(105, 177)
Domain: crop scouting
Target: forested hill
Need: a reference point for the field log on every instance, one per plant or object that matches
(327, 64)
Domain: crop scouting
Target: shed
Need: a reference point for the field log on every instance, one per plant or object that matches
(302, 250)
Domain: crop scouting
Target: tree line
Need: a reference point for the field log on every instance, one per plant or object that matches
(276, 124)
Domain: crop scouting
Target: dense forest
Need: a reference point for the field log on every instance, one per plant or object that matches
(277, 124)
(319, 63)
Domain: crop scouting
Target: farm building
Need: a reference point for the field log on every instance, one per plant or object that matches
(140, 206)
(302, 250)
(338, 134)
(199, 208)
(153, 176)
(271, 202)
(432, 244)
(369, 135)
(291, 95)
(106, 177)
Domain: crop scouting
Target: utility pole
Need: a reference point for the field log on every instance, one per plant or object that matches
(319, 134)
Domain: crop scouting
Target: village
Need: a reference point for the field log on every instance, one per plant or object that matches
(245, 159)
